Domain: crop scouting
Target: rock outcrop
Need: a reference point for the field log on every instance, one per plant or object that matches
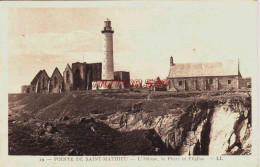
(204, 128)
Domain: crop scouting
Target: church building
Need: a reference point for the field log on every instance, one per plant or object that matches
(79, 77)
(204, 76)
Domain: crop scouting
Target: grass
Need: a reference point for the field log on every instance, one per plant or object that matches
(80, 104)
(78, 137)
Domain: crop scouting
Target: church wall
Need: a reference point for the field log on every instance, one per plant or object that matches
(228, 82)
(124, 76)
(201, 84)
(41, 86)
(45, 80)
(56, 83)
(68, 79)
(97, 70)
(79, 76)
(93, 73)
(204, 83)
(27, 89)
(244, 82)
(178, 84)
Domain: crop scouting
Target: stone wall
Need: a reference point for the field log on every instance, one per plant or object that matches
(41, 85)
(27, 89)
(123, 76)
(56, 82)
(228, 82)
(204, 83)
(93, 73)
(68, 79)
(244, 82)
(79, 76)
(84, 74)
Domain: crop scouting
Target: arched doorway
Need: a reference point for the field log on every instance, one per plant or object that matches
(55, 82)
(43, 83)
(76, 80)
(38, 87)
(68, 77)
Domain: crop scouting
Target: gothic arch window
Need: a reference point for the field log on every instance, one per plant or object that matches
(43, 80)
(211, 81)
(68, 77)
(55, 82)
(77, 79)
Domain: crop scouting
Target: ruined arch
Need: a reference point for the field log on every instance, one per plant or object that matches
(76, 79)
(38, 87)
(43, 81)
(68, 77)
(55, 82)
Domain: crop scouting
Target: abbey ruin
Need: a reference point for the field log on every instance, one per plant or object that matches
(80, 76)
(182, 76)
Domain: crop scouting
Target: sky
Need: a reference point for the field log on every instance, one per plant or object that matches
(145, 37)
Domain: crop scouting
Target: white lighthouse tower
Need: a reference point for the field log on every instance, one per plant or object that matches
(108, 80)
(108, 62)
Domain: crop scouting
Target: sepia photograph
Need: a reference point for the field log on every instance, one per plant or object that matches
(153, 79)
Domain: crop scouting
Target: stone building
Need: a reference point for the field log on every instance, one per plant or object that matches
(83, 74)
(79, 77)
(40, 82)
(26, 89)
(245, 82)
(108, 61)
(204, 76)
(110, 79)
(68, 80)
(123, 76)
(56, 83)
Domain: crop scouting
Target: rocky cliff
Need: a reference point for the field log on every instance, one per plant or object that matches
(204, 128)
(131, 123)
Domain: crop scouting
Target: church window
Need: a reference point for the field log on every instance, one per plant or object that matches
(55, 82)
(229, 81)
(180, 83)
(68, 77)
(43, 80)
(211, 81)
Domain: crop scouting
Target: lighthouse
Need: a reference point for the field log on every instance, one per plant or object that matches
(108, 62)
(110, 79)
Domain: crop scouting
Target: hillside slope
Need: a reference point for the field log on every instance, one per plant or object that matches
(130, 123)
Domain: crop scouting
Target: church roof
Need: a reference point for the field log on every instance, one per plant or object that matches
(67, 67)
(41, 72)
(56, 72)
(226, 68)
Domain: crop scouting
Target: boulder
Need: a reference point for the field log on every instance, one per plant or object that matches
(72, 152)
(49, 129)
(64, 118)
(86, 120)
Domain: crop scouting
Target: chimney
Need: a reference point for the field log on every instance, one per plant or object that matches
(171, 61)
